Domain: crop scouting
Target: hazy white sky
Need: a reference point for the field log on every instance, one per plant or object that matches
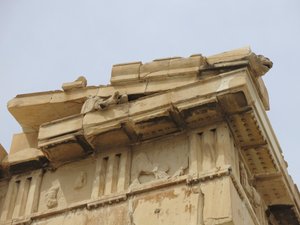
(44, 43)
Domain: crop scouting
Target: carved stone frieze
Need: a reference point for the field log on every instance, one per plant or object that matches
(173, 141)
(97, 103)
(80, 180)
(148, 169)
(148, 164)
(51, 197)
(254, 197)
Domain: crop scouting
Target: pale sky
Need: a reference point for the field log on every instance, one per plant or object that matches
(44, 43)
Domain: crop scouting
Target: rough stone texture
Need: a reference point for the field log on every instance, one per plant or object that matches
(80, 82)
(173, 141)
(3, 155)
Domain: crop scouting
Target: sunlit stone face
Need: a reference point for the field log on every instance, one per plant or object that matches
(173, 141)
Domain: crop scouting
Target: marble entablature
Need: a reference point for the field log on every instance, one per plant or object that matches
(173, 141)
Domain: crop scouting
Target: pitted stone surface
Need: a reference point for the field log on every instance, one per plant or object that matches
(173, 141)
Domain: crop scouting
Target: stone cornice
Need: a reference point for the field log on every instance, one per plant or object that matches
(149, 101)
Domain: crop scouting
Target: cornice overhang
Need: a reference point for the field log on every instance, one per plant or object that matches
(167, 97)
(136, 80)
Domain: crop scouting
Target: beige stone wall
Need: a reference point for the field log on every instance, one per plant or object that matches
(179, 179)
(3, 190)
(173, 141)
(73, 182)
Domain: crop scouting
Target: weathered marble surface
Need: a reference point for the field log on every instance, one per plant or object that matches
(173, 141)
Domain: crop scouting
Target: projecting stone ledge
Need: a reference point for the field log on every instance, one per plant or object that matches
(137, 80)
(166, 138)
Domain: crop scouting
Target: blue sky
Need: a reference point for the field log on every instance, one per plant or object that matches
(45, 43)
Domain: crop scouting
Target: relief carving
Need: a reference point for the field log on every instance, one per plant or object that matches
(51, 197)
(144, 167)
(264, 64)
(160, 160)
(158, 174)
(181, 171)
(80, 180)
(97, 103)
(253, 196)
(245, 180)
(145, 170)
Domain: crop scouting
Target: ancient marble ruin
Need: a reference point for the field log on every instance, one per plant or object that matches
(174, 141)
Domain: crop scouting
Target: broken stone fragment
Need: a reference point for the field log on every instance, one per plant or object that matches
(89, 104)
(80, 180)
(159, 174)
(98, 103)
(261, 64)
(258, 63)
(112, 100)
(80, 82)
(51, 197)
(180, 171)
